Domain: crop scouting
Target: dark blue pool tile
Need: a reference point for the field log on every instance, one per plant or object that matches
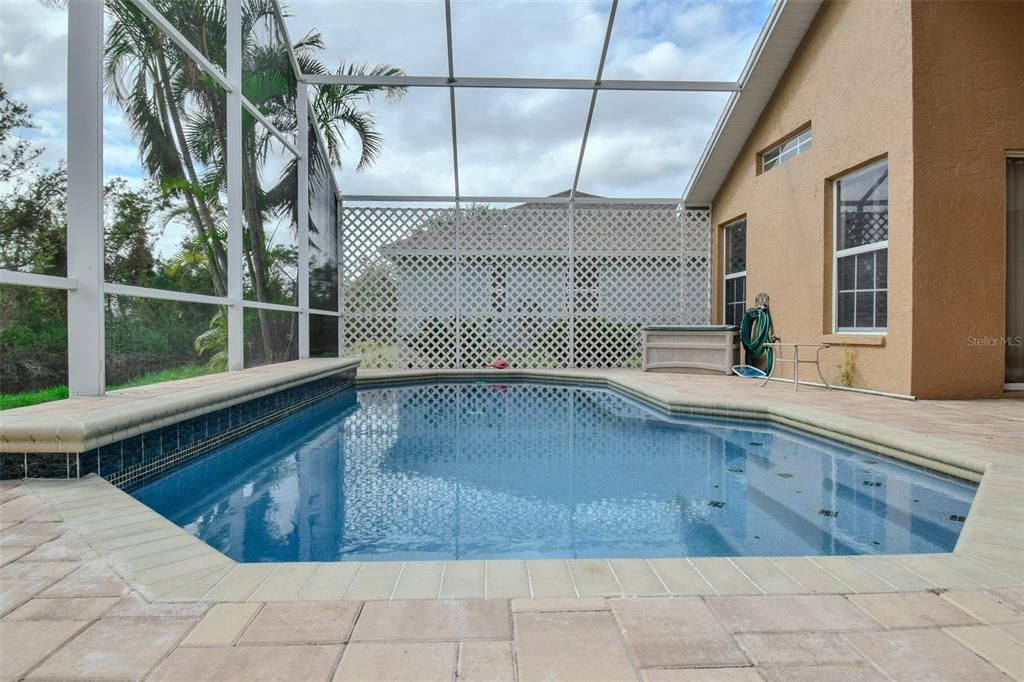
(169, 439)
(221, 419)
(12, 465)
(151, 444)
(88, 463)
(191, 431)
(237, 415)
(110, 461)
(131, 451)
(200, 429)
(47, 465)
(186, 433)
(212, 421)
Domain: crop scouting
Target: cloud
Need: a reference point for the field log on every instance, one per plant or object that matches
(33, 68)
(510, 142)
(527, 142)
(646, 144)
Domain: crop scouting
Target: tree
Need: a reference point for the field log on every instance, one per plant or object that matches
(128, 244)
(15, 159)
(33, 334)
(178, 115)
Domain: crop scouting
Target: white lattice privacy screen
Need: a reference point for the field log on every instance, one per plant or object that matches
(540, 285)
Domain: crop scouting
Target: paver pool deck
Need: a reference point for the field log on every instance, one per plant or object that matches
(93, 585)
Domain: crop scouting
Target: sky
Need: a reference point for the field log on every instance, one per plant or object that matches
(511, 142)
(526, 143)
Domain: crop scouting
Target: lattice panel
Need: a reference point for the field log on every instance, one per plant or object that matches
(514, 286)
(651, 230)
(516, 231)
(537, 286)
(696, 266)
(865, 227)
(399, 274)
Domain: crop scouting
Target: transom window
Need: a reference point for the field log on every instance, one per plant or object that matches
(860, 265)
(735, 270)
(794, 145)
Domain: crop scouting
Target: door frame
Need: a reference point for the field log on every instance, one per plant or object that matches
(1009, 155)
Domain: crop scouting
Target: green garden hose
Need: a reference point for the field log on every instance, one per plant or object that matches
(755, 333)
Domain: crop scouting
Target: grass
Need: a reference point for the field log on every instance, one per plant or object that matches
(11, 400)
(186, 372)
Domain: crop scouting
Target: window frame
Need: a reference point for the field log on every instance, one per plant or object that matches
(854, 251)
(726, 276)
(776, 151)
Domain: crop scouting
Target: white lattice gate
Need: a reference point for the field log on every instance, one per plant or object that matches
(541, 285)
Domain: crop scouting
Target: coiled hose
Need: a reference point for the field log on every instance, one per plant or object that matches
(755, 335)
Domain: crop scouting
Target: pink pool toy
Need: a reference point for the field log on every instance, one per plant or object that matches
(500, 363)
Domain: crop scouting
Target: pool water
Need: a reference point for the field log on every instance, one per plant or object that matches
(527, 470)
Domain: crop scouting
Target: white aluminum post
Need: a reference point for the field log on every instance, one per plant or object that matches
(631, 85)
(236, 314)
(342, 255)
(572, 284)
(593, 98)
(457, 270)
(457, 265)
(302, 203)
(86, 349)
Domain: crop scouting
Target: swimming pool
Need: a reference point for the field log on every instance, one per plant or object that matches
(464, 470)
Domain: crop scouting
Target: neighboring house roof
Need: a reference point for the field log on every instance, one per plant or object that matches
(782, 34)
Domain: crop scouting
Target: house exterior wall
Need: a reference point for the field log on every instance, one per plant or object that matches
(968, 112)
(851, 79)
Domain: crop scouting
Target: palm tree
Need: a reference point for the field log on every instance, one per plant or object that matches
(177, 113)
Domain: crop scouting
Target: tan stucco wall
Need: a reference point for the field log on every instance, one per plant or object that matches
(851, 78)
(968, 112)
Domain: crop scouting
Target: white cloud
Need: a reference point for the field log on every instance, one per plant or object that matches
(518, 142)
(33, 69)
(527, 142)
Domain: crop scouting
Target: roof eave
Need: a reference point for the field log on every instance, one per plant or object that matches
(780, 37)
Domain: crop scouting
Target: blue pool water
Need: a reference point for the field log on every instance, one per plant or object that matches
(486, 471)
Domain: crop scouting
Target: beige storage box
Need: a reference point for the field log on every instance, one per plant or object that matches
(693, 350)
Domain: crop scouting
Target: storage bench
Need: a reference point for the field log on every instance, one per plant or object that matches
(711, 349)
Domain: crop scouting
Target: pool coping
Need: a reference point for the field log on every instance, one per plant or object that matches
(81, 424)
(167, 563)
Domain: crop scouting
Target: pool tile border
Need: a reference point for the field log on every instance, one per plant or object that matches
(253, 415)
(989, 554)
(139, 458)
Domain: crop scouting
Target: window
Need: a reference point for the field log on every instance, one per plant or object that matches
(792, 146)
(860, 266)
(735, 270)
